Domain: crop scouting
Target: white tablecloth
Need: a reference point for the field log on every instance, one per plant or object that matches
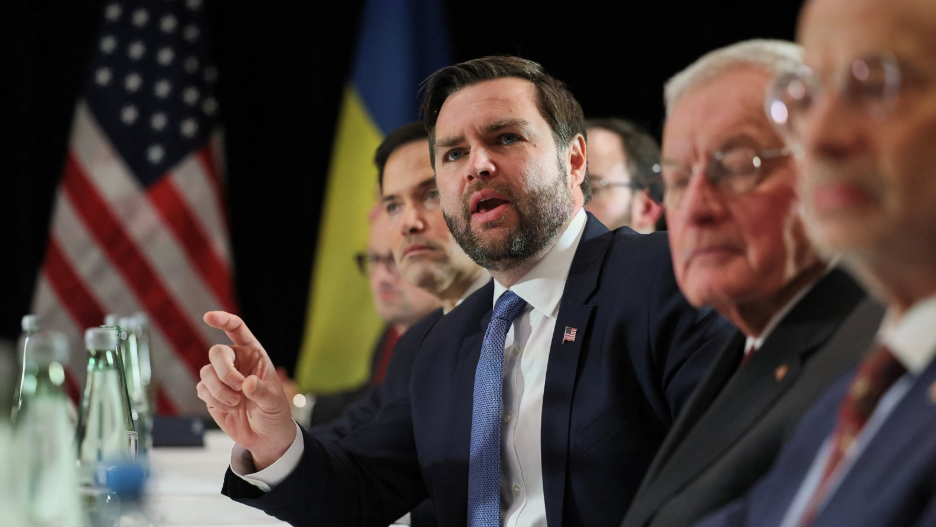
(185, 488)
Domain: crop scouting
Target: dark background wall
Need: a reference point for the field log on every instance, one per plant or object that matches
(282, 67)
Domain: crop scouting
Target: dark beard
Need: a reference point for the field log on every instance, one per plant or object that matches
(541, 213)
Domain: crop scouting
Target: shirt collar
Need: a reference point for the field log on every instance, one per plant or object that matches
(543, 285)
(752, 343)
(912, 337)
(478, 283)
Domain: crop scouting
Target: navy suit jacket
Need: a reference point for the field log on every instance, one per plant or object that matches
(394, 386)
(610, 397)
(891, 483)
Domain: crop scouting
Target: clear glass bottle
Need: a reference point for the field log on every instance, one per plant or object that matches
(146, 363)
(31, 325)
(45, 469)
(105, 432)
(139, 402)
(12, 511)
(121, 361)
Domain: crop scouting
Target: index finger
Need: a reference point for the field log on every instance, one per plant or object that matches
(233, 326)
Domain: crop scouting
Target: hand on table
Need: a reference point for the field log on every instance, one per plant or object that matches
(243, 393)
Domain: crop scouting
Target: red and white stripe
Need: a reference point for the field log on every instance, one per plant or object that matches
(117, 247)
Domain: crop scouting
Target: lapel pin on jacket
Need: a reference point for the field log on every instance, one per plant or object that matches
(931, 393)
(781, 372)
(569, 334)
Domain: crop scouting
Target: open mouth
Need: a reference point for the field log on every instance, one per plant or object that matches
(488, 205)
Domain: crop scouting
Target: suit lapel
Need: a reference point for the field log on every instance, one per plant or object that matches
(576, 313)
(720, 420)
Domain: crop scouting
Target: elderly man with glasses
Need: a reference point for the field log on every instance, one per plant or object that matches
(738, 244)
(862, 114)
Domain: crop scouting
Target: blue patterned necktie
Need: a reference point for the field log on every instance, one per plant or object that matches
(484, 463)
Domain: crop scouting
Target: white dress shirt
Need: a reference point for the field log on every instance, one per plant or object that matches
(526, 353)
(912, 340)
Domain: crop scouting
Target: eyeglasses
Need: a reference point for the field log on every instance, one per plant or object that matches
(733, 171)
(601, 184)
(367, 262)
(868, 85)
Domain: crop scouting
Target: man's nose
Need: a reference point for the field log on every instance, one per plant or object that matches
(480, 164)
(412, 220)
(702, 202)
(832, 128)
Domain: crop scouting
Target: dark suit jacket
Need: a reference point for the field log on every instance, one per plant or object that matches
(610, 396)
(891, 483)
(737, 420)
(330, 407)
(394, 386)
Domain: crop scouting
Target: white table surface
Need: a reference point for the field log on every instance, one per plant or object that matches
(185, 488)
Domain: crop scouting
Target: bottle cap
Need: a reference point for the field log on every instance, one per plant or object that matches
(101, 338)
(141, 318)
(127, 324)
(46, 347)
(32, 323)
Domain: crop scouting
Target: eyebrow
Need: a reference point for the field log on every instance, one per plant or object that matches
(512, 122)
(426, 183)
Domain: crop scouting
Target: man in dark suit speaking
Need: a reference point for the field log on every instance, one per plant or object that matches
(739, 245)
(546, 408)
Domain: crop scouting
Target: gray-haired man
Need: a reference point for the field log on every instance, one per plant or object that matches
(738, 245)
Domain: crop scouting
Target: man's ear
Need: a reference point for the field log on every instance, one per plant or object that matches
(646, 212)
(575, 155)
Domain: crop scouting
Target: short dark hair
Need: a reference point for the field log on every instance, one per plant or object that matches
(401, 136)
(556, 103)
(642, 152)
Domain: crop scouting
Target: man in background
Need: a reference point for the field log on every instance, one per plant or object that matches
(863, 115)
(399, 303)
(739, 245)
(624, 175)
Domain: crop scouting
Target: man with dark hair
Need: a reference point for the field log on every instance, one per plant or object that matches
(545, 409)
(624, 173)
(398, 302)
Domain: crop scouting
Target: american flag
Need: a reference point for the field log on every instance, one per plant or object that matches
(569, 334)
(139, 221)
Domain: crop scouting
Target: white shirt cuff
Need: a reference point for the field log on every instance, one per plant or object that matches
(243, 466)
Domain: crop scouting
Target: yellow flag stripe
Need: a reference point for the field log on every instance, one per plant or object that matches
(341, 323)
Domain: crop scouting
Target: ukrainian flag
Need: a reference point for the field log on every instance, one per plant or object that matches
(400, 43)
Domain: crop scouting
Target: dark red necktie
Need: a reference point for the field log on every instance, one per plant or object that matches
(747, 355)
(877, 373)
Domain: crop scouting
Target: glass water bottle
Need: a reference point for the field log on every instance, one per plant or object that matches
(105, 432)
(45, 470)
(139, 402)
(31, 325)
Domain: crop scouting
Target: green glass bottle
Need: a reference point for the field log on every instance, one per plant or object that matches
(105, 433)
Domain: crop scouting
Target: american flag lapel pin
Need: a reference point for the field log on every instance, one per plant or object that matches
(569, 334)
